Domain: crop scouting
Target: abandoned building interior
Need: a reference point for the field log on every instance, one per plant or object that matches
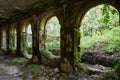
(17, 15)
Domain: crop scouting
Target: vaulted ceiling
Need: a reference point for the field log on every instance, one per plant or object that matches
(14, 10)
(11, 10)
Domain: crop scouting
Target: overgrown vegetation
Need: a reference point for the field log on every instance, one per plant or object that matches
(102, 30)
(110, 39)
(101, 26)
(53, 33)
(17, 61)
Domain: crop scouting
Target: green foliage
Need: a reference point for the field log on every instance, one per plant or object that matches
(53, 45)
(12, 41)
(53, 33)
(100, 25)
(18, 60)
(77, 56)
(110, 38)
(117, 66)
(108, 15)
(46, 53)
(109, 73)
(113, 40)
(98, 19)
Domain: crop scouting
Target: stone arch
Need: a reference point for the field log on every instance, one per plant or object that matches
(51, 60)
(53, 34)
(44, 18)
(82, 11)
(22, 33)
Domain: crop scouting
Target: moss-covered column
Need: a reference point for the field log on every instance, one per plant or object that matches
(35, 38)
(19, 42)
(8, 32)
(42, 38)
(24, 40)
(10, 38)
(69, 39)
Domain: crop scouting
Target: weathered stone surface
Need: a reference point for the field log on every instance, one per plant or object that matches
(12, 10)
(103, 58)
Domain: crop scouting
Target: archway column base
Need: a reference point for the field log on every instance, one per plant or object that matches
(66, 67)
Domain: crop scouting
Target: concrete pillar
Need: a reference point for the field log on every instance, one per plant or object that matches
(19, 42)
(8, 38)
(69, 40)
(35, 38)
(24, 40)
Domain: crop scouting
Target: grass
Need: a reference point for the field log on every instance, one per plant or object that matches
(16, 61)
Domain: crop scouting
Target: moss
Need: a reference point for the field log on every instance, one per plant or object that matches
(108, 73)
(77, 53)
(46, 53)
(16, 61)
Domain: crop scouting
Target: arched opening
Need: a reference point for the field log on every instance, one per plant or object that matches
(26, 40)
(100, 35)
(52, 31)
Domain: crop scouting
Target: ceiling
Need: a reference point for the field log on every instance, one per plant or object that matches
(10, 10)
